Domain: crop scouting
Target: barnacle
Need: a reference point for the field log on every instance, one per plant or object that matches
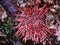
(32, 22)
(2, 13)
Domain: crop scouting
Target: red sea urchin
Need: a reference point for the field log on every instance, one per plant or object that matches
(32, 22)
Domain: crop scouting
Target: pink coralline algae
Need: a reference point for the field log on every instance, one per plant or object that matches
(32, 22)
